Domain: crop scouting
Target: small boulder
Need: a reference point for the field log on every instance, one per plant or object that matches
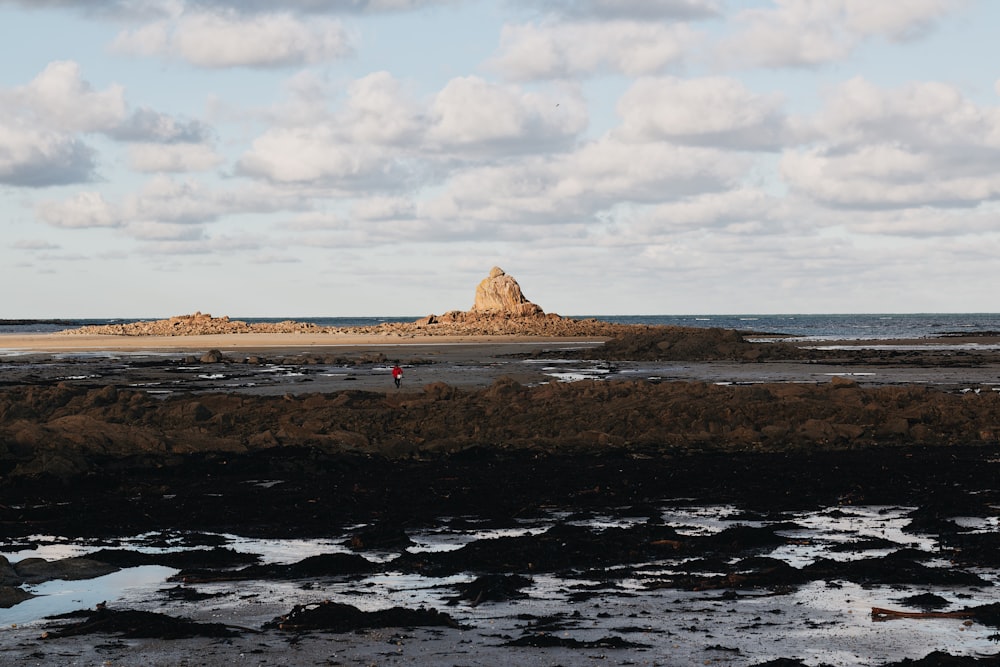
(211, 357)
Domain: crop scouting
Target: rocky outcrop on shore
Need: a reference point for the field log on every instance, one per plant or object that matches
(198, 324)
(500, 293)
(499, 309)
(65, 430)
(454, 323)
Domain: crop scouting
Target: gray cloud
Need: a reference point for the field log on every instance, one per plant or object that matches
(321, 6)
(52, 160)
(112, 9)
(147, 125)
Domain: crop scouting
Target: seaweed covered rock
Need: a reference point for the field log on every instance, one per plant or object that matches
(669, 343)
(135, 625)
(338, 617)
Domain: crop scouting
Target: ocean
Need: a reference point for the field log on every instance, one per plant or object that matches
(865, 326)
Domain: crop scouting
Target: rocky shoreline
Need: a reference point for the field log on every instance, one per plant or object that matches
(634, 519)
(89, 458)
(454, 323)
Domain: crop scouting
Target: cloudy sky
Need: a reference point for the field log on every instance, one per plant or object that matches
(378, 157)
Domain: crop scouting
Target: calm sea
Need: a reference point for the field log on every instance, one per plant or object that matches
(818, 327)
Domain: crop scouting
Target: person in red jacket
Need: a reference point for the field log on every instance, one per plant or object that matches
(397, 375)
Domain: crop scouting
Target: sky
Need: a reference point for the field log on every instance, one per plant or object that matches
(316, 158)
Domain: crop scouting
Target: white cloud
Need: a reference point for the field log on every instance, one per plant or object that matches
(168, 200)
(350, 147)
(34, 245)
(897, 20)
(324, 6)
(162, 205)
(530, 52)
(214, 245)
(59, 98)
(583, 184)
(917, 114)
(470, 111)
(42, 125)
(383, 208)
(172, 157)
(736, 207)
(926, 221)
(379, 110)
(888, 176)
(381, 137)
(634, 9)
(165, 231)
(145, 8)
(230, 39)
(86, 209)
(805, 33)
(917, 145)
(318, 154)
(707, 111)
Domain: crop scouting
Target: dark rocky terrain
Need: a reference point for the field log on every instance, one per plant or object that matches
(86, 459)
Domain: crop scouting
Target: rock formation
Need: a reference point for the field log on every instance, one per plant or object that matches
(500, 293)
(197, 324)
(500, 309)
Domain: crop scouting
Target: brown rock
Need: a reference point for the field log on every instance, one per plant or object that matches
(499, 292)
(211, 357)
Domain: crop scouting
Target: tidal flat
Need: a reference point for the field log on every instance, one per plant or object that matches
(563, 504)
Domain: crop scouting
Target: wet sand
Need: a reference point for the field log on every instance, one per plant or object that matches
(301, 363)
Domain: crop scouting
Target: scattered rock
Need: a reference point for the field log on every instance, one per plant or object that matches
(37, 570)
(211, 357)
(492, 588)
(12, 595)
(337, 617)
(545, 640)
(136, 625)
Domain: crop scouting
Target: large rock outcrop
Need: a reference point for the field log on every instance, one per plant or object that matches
(500, 293)
(501, 309)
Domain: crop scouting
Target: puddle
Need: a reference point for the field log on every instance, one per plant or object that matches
(59, 597)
